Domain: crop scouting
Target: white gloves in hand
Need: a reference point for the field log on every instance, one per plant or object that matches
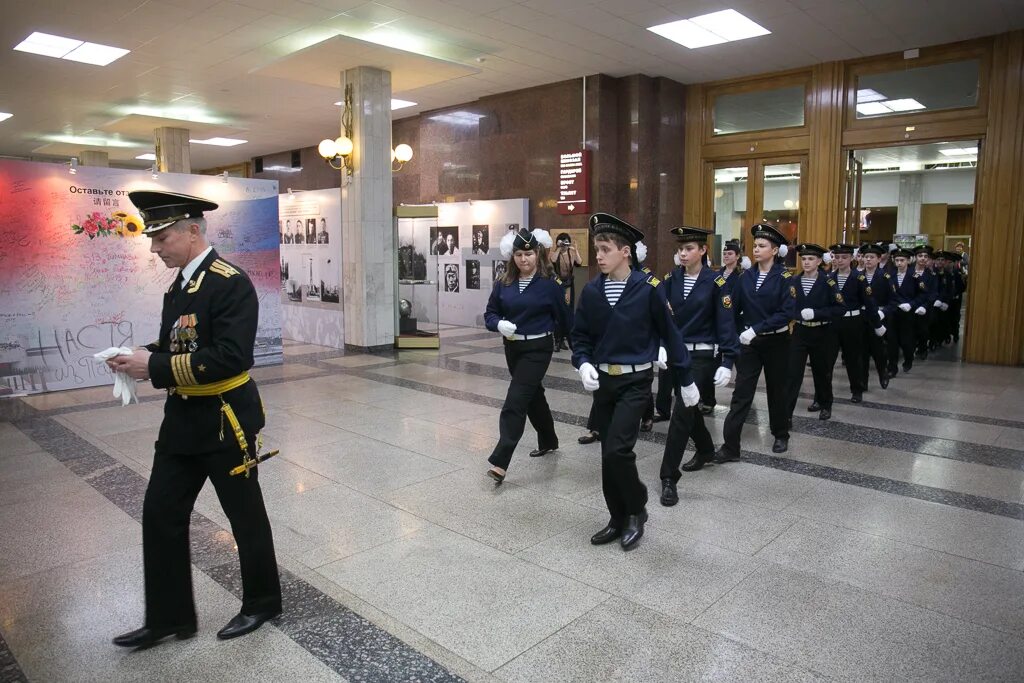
(588, 373)
(506, 328)
(807, 314)
(124, 386)
(937, 304)
(880, 331)
(747, 336)
(920, 310)
(881, 314)
(691, 395)
(945, 306)
(723, 376)
(905, 308)
(662, 362)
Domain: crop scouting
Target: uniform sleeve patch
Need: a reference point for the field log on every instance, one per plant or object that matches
(862, 278)
(727, 301)
(792, 291)
(868, 290)
(839, 298)
(922, 286)
(831, 283)
(720, 281)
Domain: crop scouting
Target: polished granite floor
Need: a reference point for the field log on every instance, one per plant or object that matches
(887, 544)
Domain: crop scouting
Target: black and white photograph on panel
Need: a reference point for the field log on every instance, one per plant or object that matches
(330, 287)
(451, 277)
(322, 235)
(472, 274)
(511, 227)
(498, 269)
(310, 231)
(310, 278)
(481, 239)
(284, 273)
(444, 240)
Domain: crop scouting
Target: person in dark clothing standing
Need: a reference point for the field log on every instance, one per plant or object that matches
(764, 302)
(525, 307)
(860, 311)
(622, 319)
(565, 257)
(907, 302)
(879, 289)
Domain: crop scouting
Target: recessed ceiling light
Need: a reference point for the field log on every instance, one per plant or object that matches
(710, 29)
(873, 109)
(907, 104)
(71, 49)
(459, 118)
(869, 95)
(959, 151)
(401, 104)
(147, 157)
(220, 142)
(4, 116)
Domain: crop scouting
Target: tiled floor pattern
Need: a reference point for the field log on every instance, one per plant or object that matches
(888, 544)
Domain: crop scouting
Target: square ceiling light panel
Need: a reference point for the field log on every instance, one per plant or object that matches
(220, 142)
(71, 49)
(710, 29)
(4, 116)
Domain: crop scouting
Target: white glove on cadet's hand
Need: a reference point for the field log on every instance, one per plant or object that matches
(881, 314)
(945, 306)
(937, 304)
(723, 376)
(747, 336)
(880, 331)
(691, 395)
(506, 328)
(905, 308)
(807, 314)
(588, 373)
(662, 362)
(920, 310)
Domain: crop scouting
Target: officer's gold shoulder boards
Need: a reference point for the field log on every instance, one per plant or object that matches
(223, 268)
(653, 281)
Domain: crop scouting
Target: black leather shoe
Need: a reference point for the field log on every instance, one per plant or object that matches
(669, 496)
(825, 414)
(780, 446)
(646, 425)
(883, 381)
(588, 438)
(814, 407)
(661, 418)
(498, 477)
(706, 410)
(697, 462)
(634, 530)
(723, 456)
(242, 624)
(857, 398)
(145, 637)
(907, 366)
(542, 451)
(606, 535)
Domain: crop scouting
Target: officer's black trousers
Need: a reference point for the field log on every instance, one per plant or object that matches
(876, 350)
(619, 403)
(527, 363)
(922, 325)
(901, 334)
(821, 344)
(770, 353)
(666, 387)
(174, 484)
(851, 344)
(689, 422)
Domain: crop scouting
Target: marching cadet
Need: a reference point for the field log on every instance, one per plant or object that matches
(702, 310)
(816, 304)
(957, 290)
(733, 263)
(907, 301)
(526, 307)
(923, 273)
(212, 418)
(860, 312)
(879, 290)
(622, 318)
(938, 325)
(764, 303)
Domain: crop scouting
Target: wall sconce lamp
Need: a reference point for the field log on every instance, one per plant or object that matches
(339, 150)
(400, 154)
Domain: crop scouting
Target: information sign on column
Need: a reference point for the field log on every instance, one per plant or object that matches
(574, 182)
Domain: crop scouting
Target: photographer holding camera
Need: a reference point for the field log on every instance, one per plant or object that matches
(565, 258)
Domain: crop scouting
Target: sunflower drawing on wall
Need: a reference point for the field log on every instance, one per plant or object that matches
(97, 225)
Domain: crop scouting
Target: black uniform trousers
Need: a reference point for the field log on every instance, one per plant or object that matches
(666, 387)
(851, 344)
(688, 422)
(769, 352)
(876, 350)
(619, 403)
(955, 309)
(174, 484)
(922, 329)
(901, 336)
(527, 362)
(821, 344)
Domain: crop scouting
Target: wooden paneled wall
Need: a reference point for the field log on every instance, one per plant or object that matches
(821, 217)
(995, 302)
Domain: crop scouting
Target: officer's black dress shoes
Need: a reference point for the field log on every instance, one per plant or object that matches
(907, 366)
(661, 418)
(242, 624)
(857, 398)
(883, 381)
(780, 446)
(497, 476)
(825, 414)
(634, 530)
(669, 496)
(697, 462)
(723, 456)
(588, 438)
(606, 535)
(646, 425)
(542, 451)
(814, 407)
(145, 636)
(706, 410)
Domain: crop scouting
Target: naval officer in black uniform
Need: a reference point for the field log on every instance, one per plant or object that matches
(212, 418)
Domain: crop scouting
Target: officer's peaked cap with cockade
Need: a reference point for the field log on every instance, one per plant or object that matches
(160, 210)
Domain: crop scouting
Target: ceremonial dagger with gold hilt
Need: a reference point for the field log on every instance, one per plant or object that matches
(249, 463)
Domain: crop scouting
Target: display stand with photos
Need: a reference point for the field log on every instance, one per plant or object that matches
(416, 306)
